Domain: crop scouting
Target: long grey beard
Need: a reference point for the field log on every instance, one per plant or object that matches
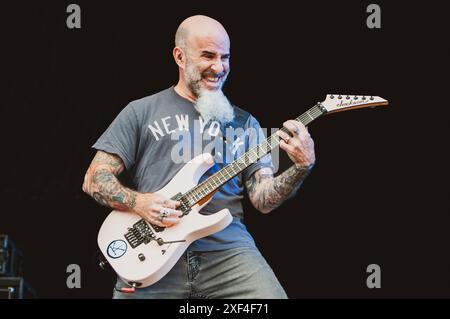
(214, 105)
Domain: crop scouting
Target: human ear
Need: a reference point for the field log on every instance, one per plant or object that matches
(179, 57)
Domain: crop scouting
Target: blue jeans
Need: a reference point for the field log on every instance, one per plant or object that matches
(232, 273)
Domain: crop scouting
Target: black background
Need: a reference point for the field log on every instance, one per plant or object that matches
(377, 192)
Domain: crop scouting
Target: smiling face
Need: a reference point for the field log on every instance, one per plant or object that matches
(202, 53)
(207, 63)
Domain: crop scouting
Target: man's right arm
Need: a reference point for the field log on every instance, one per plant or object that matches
(101, 183)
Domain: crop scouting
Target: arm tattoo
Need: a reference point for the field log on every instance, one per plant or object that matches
(102, 184)
(112, 161)
(267, 193)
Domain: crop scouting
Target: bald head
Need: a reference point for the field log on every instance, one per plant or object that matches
(198, 28)
(202, 53)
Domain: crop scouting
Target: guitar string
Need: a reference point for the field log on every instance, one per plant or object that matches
(202, 190)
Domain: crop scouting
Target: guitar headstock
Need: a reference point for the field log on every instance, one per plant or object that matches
(340, 102)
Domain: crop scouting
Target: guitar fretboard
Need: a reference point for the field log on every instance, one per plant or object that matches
(219, 178)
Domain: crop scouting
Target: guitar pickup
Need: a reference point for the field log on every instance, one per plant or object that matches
(184, 205)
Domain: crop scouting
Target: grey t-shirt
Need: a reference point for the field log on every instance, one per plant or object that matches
(156, 135)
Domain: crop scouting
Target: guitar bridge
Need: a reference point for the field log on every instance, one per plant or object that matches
(139, 233)
(142, 233)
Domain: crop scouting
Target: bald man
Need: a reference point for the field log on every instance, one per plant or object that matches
(145, 139)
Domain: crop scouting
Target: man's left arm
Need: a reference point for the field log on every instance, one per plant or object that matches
(267, 192)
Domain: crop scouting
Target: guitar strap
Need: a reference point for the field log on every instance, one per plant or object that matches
(239, 121)
(240, 118)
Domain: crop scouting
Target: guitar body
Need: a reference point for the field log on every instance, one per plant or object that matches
(145, 264)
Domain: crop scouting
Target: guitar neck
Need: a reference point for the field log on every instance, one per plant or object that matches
(219, 178)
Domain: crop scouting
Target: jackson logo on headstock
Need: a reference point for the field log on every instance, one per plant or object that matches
(350, 102)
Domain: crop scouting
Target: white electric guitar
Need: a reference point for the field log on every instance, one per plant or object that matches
(142, 253)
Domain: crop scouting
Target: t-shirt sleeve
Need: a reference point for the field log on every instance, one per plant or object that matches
(255, 137)
(121, 137)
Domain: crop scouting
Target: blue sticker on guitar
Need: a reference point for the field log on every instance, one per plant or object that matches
(117, 248)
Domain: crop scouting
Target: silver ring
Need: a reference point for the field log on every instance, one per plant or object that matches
(163, 214)
(297, 131)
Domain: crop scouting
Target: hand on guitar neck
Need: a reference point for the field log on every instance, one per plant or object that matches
(297, 143)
